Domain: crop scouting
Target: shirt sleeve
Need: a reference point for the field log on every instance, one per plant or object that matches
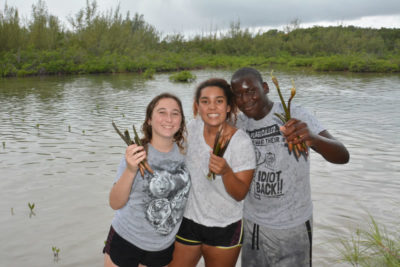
(242, 155)
(312, 122)
(120, 170)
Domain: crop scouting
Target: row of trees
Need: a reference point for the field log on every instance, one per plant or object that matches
(92, 31)
(93, 36)
(315, 41)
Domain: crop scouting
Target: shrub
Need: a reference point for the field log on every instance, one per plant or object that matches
(330, 64)
(371, 65)
(301, 62)
(183, 76)
(149, 73)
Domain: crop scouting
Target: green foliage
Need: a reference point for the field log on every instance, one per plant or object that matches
(110, 42)
(333, 63)
(301, 62)
(373, 65)
(110, 32)
(12, 35)
(183, 76)
(44, 31)
(373, 246)
(56, 252)
(31, 207)
(149, 73)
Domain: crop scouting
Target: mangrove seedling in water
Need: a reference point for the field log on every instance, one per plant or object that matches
(183, 76)
(149, 73)
(56, 252)
(300, 148)
(4, 145)
(143, 165)
(31, 207)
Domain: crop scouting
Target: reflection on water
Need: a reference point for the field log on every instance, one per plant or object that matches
(60, 152)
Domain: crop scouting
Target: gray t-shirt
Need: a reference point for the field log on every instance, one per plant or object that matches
(152, 216)
(209, 204)
(280, 194)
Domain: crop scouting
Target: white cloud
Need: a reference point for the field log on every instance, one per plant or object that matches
(180, 16)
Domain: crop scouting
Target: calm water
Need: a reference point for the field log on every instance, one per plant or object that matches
(60, 152)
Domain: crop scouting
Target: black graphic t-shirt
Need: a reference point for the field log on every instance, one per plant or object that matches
(280, 194)
(152, 216)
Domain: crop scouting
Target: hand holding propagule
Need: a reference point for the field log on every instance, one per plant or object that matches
(143, 165)
(297, 144)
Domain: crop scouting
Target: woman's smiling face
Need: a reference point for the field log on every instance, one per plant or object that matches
(212, 106)
(166, 118)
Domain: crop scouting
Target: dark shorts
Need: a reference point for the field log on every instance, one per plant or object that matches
(124, 253)
(191, 233)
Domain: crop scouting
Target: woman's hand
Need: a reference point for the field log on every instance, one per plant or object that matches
(134, 154)
(236, 184)
(218, 165)
(119, 194)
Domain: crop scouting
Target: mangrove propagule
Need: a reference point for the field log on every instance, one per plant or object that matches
(299, 148)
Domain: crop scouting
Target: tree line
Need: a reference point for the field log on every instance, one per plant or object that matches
(105, 42)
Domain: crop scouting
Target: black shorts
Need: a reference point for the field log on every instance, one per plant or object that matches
(192, 233)
(124, 253)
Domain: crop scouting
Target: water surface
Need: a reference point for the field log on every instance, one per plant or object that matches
(60, 152)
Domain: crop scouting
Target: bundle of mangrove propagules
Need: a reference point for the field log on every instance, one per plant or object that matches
(143, 165)
(220, 145)
(300, 148)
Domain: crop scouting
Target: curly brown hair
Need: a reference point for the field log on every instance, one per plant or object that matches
(179, 136)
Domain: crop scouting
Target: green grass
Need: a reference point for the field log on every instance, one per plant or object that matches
(373, 245)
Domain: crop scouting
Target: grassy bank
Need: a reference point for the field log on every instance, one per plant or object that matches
(33, 62)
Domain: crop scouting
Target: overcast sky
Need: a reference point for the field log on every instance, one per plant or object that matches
(197, 16)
